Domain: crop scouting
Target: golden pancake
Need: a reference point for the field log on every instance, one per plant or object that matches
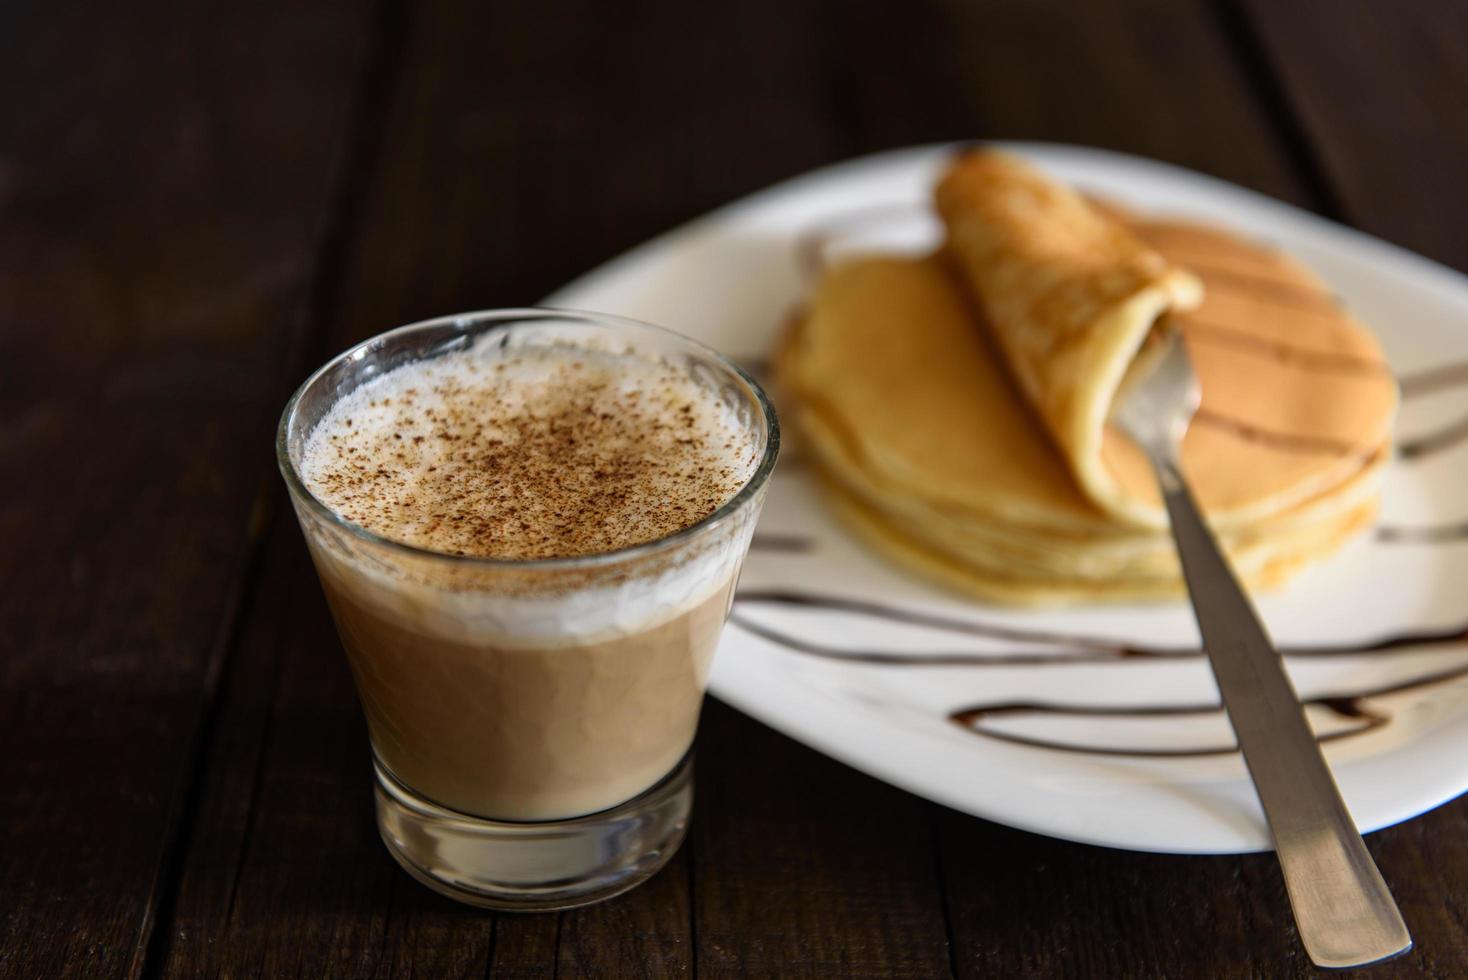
(1011, 587)
(1037, 553)
(935, 456)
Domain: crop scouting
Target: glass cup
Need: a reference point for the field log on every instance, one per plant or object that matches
(531, 721)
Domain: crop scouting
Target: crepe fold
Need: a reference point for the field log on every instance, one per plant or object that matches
(955, 404)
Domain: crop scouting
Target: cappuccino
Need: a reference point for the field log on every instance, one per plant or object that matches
(506, 671)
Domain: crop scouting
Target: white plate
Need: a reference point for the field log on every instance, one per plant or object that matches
(732, 278)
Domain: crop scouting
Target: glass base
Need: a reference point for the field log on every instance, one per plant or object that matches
(531, 867)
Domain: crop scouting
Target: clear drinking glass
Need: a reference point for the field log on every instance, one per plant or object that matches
(531, 721)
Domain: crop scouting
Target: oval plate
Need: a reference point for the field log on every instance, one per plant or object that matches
(1032, 718)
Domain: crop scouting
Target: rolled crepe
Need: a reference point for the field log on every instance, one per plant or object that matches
(1070, 295)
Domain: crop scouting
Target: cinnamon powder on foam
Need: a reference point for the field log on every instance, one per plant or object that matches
(528, 453)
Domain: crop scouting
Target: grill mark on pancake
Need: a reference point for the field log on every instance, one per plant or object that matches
(1266, 284)
(810, 248)
(1421, 447)
(1198, 329)
(1286, 441)
(1296, 295)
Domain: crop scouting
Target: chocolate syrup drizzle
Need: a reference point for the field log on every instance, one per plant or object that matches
(788, 543)
(1440, 534)
(1434, 379)
(1352, 705)
(1430, 444)
(1445, 438)
(1079, 649)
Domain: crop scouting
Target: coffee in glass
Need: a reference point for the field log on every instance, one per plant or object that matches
(528, 525)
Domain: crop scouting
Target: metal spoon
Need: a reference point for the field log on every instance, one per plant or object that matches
(1346, 915)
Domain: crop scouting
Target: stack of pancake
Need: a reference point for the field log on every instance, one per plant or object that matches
(957, 404)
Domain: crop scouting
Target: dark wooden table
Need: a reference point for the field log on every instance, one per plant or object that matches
(200, 202)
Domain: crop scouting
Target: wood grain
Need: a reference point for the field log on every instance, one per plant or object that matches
(1033, 906)
(596, 127)
(161, 191)
(644, 934)
(1151, 77)
(1378, 91)
(805, 868)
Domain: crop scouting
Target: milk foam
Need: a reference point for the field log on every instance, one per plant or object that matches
(448, 434)
(579, 613)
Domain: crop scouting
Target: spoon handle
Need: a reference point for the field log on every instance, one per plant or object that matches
(1346, 915)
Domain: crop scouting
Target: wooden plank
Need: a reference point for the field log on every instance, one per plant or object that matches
(591, 128)
(161, 191)
(1030, 906)
(1153, 77)
(1378, 90)
(806, 868)
(1425, 862)
(526, 947)
(645, 933)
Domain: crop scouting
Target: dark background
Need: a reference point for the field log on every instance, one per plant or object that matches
(199, 202)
